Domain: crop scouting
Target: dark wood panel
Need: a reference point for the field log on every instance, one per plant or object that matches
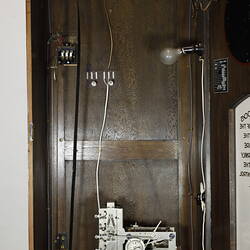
(123, 150)
(143, 106)
(39, 32)
(146, 190)
(188, 116)
(239, 78)
(64, 17)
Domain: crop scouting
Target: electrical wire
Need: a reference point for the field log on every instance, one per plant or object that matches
(198, 5)
(207, 6)
(203, 125)
(203, 189)
(100, 146)
(105, 107)
(77, 94)
(203, 227)
(110, 34)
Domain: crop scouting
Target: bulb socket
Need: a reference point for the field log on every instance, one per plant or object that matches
(194, 49)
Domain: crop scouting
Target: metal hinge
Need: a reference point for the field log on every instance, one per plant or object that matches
(30, 132)
(61, 241)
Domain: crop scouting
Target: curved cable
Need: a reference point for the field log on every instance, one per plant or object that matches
(100, 145)
(203, 188)
(110, 34)
(203, 228)
(198, 5)
(203, 125)
(105, 107)
(206, 7)
(77, 98)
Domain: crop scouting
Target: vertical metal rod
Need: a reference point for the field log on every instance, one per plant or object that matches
(77, 94)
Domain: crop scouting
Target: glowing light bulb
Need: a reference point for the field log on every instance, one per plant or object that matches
(170, 55)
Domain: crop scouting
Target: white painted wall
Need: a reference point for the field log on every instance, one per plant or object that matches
(13, 127)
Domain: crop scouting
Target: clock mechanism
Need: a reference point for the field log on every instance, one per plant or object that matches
(135, 244)
(113, 236)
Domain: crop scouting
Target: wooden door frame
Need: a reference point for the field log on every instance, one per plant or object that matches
(30, 124)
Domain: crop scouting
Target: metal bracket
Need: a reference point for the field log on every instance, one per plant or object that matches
(61, 241)
(67, 54)
(95, 78)
(30, 132)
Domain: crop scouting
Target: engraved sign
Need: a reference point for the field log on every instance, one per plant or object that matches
(242, 174)
(220, 75)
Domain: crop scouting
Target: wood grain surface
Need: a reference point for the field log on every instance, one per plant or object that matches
(123, 150)
(38, 74)
(146, 138)
(239, 78)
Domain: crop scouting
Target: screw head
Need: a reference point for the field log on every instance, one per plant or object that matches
(171, 236)
(110, 83)
(93, 83)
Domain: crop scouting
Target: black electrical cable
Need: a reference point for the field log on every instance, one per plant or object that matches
(77, 97)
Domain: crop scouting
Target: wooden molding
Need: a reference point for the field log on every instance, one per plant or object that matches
(30, 119)
(123, 150)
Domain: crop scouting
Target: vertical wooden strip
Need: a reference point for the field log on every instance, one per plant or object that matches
(53, 155)
(61, 157)
(30, 122)
(184, 128)
(232, 179)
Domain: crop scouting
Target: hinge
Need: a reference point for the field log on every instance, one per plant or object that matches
(30, 132)
(61, 241)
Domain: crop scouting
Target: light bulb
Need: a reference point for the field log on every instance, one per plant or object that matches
(170, 55)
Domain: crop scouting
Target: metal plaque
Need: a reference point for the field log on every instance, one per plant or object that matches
(220, 75)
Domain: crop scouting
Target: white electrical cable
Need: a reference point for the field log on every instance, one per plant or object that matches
(203, 124)
(207, 6)
(203, 227)
(203, 189)
(100, 145)
(105, 109)
(110, 34)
